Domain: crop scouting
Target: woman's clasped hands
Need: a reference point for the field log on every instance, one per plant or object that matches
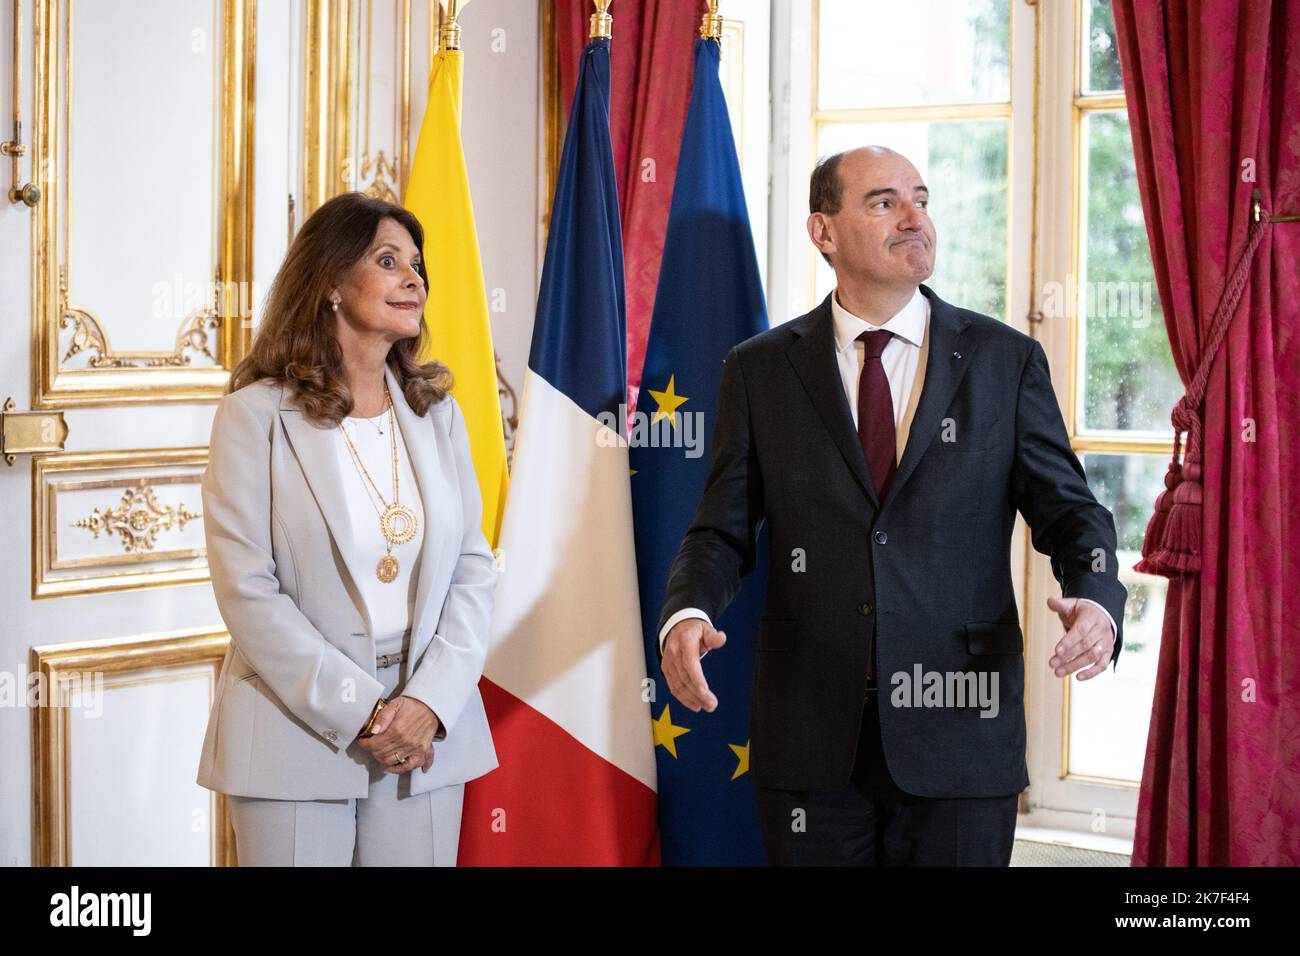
(401, 737)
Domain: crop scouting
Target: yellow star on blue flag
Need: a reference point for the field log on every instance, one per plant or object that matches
(666, 733)
(742, 759)
(668, 401)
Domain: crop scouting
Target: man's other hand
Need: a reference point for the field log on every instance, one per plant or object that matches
(687, 642)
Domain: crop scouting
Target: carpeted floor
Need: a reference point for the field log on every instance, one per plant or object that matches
(1032, 853)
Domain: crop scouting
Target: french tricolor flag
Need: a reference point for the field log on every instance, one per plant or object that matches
(564, 683)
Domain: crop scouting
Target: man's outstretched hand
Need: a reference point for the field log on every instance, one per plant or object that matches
(687, 642)
(1089, 640)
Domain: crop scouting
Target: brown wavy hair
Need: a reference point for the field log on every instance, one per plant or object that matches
(296, 343)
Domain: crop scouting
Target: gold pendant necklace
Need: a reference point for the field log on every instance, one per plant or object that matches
(397, 522)
(387, 569)
(389, 523)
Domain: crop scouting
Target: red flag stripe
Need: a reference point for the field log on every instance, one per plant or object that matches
(508, 820)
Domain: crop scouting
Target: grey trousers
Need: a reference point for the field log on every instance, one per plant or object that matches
(389, 827)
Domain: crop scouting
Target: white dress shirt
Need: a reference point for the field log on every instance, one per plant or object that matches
(900, 357)
(391, 605)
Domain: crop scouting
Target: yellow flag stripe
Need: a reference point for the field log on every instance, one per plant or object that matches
(457, 313)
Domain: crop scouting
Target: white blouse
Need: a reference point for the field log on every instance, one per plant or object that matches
(391, 605)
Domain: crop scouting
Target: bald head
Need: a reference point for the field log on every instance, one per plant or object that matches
(826, 189)
(869, 218)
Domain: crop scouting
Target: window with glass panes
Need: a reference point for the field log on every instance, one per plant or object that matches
(1122, 386)
(883, 75)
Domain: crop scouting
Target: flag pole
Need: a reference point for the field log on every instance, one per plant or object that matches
(601, 22)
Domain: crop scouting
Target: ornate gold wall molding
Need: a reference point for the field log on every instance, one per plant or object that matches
(61, 674)
(357, 131)
(136, 520)
(379, 177)
(381, 172)
(327, 113)
(72, 362)
(150, 546)
(509, 407)
(197, 334)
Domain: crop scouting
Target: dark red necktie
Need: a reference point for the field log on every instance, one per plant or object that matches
(876, 412)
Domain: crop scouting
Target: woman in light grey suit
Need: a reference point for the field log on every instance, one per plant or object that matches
(342, 516)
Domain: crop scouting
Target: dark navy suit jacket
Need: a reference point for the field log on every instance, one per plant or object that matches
(928, 568)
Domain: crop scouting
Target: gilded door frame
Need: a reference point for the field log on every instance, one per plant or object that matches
(142, 378)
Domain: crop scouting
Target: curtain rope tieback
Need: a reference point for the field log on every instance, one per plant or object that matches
(1172, 543)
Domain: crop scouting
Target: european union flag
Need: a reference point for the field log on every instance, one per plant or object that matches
(709, 299)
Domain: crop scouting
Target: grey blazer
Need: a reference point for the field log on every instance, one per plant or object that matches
(298, 681)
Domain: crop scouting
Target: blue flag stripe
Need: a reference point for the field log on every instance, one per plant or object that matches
(579, 340)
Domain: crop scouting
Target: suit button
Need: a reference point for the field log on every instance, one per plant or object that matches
(881, 537)
(865, 609)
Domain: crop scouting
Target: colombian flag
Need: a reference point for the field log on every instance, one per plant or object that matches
(457, 315)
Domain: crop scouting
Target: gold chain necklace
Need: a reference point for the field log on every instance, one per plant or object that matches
(397, 522)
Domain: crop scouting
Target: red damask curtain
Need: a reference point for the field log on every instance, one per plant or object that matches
(1213, 90)
(652, 56)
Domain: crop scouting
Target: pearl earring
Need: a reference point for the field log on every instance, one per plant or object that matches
(336, 304)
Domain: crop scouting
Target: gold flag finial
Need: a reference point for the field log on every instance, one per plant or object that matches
(601, 22)
(449, 35)
(711, 25)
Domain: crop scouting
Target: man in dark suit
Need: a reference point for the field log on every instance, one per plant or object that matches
(888, 439)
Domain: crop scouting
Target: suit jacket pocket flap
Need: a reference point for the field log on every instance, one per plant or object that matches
(993, 637)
